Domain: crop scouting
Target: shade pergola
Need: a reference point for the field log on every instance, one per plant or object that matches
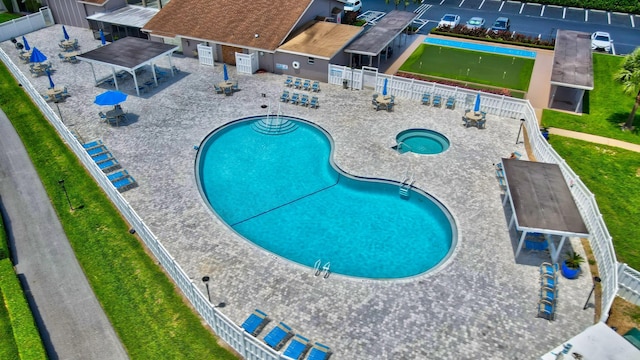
(129, 54)
(541, 202)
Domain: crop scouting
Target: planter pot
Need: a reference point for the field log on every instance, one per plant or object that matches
(568, 272)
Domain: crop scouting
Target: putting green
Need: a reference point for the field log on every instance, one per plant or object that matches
(471, 66)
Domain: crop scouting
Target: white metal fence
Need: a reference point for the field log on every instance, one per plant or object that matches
(26, 24)
(629, 283)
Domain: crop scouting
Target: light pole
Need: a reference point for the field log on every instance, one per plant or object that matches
(205, 280)
(519, 131)
(596, 280)
(61, 182)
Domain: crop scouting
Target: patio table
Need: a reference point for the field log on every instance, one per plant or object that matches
(68, 44)
(472, 118)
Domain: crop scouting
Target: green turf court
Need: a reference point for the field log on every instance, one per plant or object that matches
(471, 66)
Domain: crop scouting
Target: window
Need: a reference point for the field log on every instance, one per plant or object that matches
(311, 61)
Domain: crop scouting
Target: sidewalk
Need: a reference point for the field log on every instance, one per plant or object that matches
(594, 139)
(70, 319)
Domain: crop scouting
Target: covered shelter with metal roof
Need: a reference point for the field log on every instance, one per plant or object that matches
(572, 71)
(129, 54)
(378, 38)
(123, 22)
(541, 202)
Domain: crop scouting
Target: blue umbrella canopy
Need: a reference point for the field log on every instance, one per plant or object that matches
(37, 56)
(26, 44)
(224, 71)
(384, 87)
(64, 33)
(111, 97)
(102, 39)
(476, 106)
(51, 84)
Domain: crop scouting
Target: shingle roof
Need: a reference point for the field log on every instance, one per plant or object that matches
(230, 22)
(321, 39)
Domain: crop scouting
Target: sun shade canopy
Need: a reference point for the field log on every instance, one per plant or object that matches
(382, 34)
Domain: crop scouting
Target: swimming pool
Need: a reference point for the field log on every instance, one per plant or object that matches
(284, 194)
(421, 141)
(481, 47)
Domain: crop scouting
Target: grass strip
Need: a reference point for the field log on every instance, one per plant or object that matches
(613, 176)
(4, 17)
(151, 318)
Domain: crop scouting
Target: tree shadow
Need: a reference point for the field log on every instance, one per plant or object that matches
(619, 118)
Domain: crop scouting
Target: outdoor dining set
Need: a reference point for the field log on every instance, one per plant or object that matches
(226, 86)
(112, 98)
(383, 102)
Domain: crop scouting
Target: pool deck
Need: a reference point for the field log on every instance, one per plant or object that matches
(481, 304)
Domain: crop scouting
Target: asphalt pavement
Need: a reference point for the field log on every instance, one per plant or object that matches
(71, 321)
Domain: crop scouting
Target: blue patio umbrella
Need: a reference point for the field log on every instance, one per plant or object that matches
(51, 84)
(102, 39)
(476, 106)
(26, 44)
(37, 56)
(111, 97)
(224, 72)
(64, 32)
(384, 87)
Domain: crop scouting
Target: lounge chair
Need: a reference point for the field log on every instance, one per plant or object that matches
(289, 81)
(92, 144)
(118, 175)
(314, 102)
(304, 101)
(109, 165)
(102, 157)
(437, 101)
(278, 336)
(255, 322)
(319, 352)
(285, 96)
(549, 282)
(124, 183)
(548, 295)
(306, 85)
(315, 87)
(426, 99)
(451, 103)
(295, 98)
(297, 348)
(547, 269)
(546, 310)
(95, 151)
(297, 83)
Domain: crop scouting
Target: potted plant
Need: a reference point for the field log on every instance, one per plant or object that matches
(571, 265)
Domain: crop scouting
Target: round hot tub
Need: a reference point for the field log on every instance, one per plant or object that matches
(421, 141)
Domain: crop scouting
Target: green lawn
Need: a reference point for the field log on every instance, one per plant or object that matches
(613, 175)
(145, 308)
(606, 106)
(4, 17)
(471, 66)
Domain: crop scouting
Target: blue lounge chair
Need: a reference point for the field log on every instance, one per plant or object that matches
(426, 99)
(125, 183)
(118, 175)
(548, 295)
(297, 348)
(549, 282)
(546, 310)
(437, 101)
(451, 103)
(92, 144)
(289, 81)
(546, 269)
(295, 98)
(95, 151)
(307, 84)
(297, 83)
(285, 96)
(319, 352)
(102, 157)
(109, 165)
(304, 101)
(314, 102)
(278, 336)
(315, 87)
(255, 322)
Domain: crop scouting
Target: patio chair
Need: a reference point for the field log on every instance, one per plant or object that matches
(125, 183)
(546, 310)
(228, 91)
(480, 123)
(235, 87)
(102, 157)
(289, 81)
(278, 336)
(374, 100)
(92, 144)
(306, 85)
(62, 57)
(255, 322)
(285, 96)
(549, 282)
(547, 269)
(109, 165)
(102, 116)
(65, 92)
(315, 87)
(58, 98)
(390, 106)
(437, 101)
(297, 348)
(314, 102)
(297, 83)
(319, 352)
(426, 99)
(548, 295)
(451, 103)
(295, 98)
(95, 151)
(218, 89)
(46, 97)
(118, 175)
(304, 101)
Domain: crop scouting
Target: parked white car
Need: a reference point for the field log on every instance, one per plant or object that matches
(449, 20)
(475, 23)
(601, 40)
(352, 5)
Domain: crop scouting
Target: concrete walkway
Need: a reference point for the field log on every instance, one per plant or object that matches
(71, 321)
(595, 139)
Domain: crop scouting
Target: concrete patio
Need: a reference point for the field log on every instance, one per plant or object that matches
(481, 304)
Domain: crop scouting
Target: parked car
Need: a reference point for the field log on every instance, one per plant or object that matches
(501, 24)
(449, 20)
(475, 23)
(601, 40)
(352, 5)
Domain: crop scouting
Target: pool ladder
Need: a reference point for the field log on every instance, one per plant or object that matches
(406, 185)
(325, 269)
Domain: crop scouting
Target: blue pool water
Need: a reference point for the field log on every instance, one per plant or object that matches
(421, 141)
(480, 47)
(283, 193)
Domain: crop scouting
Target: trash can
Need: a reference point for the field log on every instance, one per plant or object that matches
(345, 83)
(545, 133)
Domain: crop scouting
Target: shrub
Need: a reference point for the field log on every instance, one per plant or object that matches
(505, 37)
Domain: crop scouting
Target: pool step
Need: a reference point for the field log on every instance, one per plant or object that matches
(274, 126)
